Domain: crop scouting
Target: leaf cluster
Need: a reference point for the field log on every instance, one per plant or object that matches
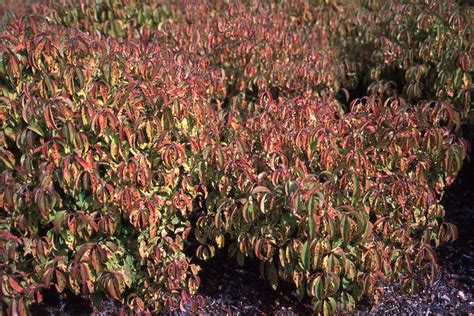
(139, 138)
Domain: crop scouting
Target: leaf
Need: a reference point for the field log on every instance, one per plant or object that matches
(260, 189)
(50, 85)
(220, 158)
(175, 220)
(48, 117)
(355, 192)
(14, 284)
(263, 209)
(60, 281)
(272, 275)
(240, 258)
(21, 307)
(350, 305)
(332, 303)
(36, 128)
(344, 227)
(297, 203)
(334, 283)
(80, 77)
(305, 255)
(112, 288)
(332, 228)
(220, 241)
(318, 287)
(95, 260)
(47, 276)
(127, 271)
(312, 224)
(327, 309)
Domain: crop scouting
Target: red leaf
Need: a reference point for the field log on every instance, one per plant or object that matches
(260, 189)
(14, 284)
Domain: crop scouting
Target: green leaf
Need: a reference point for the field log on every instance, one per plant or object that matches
(127, 271)
(272, 275)
(332, 303)
(327, 309)
(318, 288)
(332, 228)
(175, 220)
(311, 218)
(305, 255)
(355, 192)
(36, 128)
(344, 226)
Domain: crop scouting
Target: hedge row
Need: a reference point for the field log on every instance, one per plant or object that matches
(139, 138)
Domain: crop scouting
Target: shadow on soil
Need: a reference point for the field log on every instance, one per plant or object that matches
(458, 201)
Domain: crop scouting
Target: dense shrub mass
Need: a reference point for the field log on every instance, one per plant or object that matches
(139, 138)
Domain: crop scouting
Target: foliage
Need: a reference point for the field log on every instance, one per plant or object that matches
(138, 138)
(96, 185)
(427, 44)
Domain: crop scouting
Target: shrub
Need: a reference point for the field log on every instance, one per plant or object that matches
(140, 138)
(96, 185)
(421, 48)
(122, 19)
(334, 203)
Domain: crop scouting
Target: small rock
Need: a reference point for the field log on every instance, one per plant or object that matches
(462, 296)
(446, 298)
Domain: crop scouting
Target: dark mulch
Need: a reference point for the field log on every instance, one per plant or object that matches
(230, 289)
(458, 257)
